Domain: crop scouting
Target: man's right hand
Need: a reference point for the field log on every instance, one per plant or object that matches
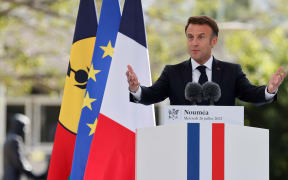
(132, 80)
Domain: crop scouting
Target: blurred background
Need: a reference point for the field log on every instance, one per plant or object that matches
(36, 37)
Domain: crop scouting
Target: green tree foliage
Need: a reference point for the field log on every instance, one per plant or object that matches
(261, 53)
(165, 33)
(35, 42)
(34, 36)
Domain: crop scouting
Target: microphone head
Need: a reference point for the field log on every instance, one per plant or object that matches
(193, 92)
(211, 91)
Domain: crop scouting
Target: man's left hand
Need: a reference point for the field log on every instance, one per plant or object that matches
(276, 80)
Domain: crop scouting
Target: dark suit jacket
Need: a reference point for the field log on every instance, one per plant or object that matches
(229, 76)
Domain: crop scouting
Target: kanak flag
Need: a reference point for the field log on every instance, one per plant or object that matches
(75, 85)
(112, 153)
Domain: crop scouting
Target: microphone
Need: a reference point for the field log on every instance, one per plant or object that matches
(211, 92)
(193, 92)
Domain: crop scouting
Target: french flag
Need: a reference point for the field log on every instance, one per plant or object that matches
(112, 152)
(212, 154)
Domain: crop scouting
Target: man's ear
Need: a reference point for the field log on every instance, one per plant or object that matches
(214, 41)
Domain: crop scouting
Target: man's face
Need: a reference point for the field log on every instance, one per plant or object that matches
(200, 42)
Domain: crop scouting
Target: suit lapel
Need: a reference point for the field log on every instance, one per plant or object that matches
(216, 71)
(187, 72)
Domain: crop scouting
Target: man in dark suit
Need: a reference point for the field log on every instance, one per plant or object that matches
(202, 36)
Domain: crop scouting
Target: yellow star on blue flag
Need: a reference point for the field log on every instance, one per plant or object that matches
(92, 73)
(108, 50)
(92, 127)
(87, 101)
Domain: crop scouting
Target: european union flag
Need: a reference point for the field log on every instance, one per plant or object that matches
(98, 73)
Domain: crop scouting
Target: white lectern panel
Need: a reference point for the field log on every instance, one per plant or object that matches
(161, 153)
(247, 156)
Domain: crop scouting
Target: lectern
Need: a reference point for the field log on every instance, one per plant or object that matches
(202, 151)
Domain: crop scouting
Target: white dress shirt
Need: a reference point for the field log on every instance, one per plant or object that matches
(196, 73)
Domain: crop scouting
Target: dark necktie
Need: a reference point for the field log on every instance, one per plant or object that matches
(203, 77)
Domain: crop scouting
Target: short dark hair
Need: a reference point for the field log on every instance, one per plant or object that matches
(203, 20)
